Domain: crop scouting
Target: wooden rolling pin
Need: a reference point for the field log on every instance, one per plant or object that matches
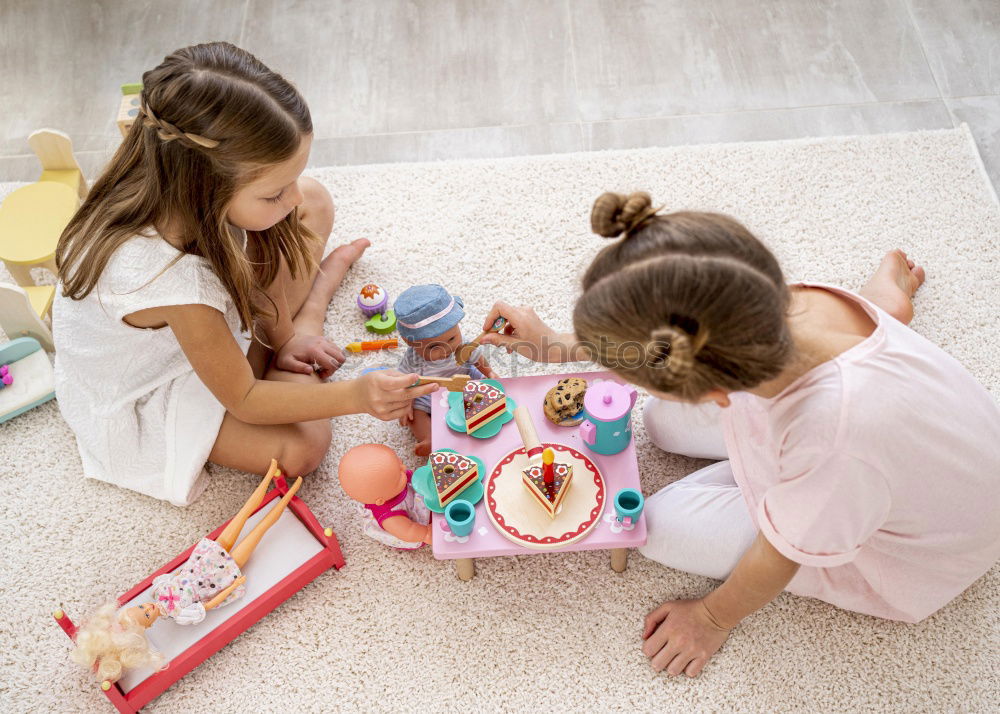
(526, 427)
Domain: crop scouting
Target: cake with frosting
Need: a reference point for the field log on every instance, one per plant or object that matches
(550, 496)
(483, 403)
(452, 474)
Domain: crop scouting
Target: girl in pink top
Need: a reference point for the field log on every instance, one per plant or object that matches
(862, 463)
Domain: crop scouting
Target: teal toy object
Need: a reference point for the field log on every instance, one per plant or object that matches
(455, 418)
(608, 408)
(628, 505)
(382, 323)
(31, 378)
(461, 517)
(423, 483)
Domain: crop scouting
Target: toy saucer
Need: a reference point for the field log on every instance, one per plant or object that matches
(423, 483)
(455, 418)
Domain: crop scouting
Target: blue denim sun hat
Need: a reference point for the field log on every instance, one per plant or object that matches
(426, 311)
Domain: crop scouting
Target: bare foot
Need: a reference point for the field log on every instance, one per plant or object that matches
(332, 270)
(334, 267)
(893, 285)
(422, 449)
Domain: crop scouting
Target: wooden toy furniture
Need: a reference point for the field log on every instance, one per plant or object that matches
(33, 379)
(128, 110)
(294, 553)
(597, 478)
(33, 217)
(54, 150)
(23, 311)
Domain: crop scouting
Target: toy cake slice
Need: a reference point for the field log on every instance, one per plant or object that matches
(452, 474)
(483, 403)
(550, 496)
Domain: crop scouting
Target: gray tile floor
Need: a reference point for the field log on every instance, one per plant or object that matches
(413, 80)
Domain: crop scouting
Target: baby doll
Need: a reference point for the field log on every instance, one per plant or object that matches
(427, 318)
(111, 642)
(374, 476)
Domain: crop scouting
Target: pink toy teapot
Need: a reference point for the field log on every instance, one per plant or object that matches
(608, 409)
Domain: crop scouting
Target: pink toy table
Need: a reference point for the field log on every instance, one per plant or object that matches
(619, 471)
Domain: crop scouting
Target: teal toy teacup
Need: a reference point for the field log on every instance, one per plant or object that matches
(461, 517)
(628, 505)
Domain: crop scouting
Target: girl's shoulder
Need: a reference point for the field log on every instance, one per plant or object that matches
(147, 270)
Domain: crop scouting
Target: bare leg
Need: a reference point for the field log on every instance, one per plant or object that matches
(242, 552)
(420, 427)
(893, 285)
(232, 531)
(298, 447)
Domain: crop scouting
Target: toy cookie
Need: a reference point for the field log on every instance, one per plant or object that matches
(564, 402)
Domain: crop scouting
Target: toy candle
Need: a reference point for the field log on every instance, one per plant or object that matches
(548, 471)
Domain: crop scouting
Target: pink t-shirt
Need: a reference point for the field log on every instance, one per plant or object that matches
(878, 471)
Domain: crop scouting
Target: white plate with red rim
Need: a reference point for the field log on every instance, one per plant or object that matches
(522, 520)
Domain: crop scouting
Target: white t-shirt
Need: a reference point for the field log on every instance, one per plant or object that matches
(878, 471)
(142, 417)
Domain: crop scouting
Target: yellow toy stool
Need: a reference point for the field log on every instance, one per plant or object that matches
(33, 217)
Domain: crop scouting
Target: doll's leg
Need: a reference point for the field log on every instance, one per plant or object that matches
(232, 531)
(421, 429)
(241, 553)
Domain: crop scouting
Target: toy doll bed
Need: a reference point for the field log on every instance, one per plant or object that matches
(293, 553)
(34, 380)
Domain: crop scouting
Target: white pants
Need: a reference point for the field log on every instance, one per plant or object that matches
(699, 524)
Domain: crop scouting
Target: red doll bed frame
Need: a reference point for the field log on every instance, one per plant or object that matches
(153, 686)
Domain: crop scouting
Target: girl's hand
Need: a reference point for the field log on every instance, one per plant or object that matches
(407, 418)
(527, 335)
(681, 636)
(302, 352)
(388, 394)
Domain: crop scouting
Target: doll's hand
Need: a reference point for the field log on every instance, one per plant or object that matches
(681, 636)
(388, 394)
(306, 354)
(526, 334)
(407, 418)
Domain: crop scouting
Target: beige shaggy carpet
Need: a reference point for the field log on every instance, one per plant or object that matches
(396, 631)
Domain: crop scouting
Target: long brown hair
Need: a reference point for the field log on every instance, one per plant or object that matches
(685, 302)
(212, 118)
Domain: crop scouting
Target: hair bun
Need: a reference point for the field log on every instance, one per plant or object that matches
(615, 213)
(674, 349)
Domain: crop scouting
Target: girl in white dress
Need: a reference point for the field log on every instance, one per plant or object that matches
(189, 317)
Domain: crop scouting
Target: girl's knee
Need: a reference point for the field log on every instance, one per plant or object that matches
(687, 429)
(306, 451)
(317, 207)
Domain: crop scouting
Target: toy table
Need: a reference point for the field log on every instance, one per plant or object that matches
(620, 471)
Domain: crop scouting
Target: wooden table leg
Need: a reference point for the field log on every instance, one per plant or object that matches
(465, 568)
(619, 559)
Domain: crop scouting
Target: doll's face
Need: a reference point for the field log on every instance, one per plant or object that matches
(391, 487)
(142, 615)
(439, 347)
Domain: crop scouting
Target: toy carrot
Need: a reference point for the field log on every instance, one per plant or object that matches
(372, 345)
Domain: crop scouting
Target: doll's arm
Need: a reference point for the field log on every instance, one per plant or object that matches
(407, 529)
(218, 599)
(483, 366)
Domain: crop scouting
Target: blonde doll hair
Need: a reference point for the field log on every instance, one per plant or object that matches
(108, 647)
(213, 118)
(683, 302)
